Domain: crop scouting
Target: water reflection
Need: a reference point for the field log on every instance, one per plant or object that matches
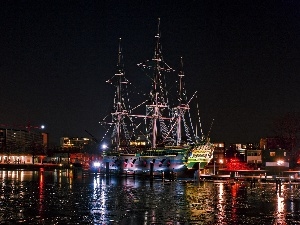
(41, 192)
(71, 197)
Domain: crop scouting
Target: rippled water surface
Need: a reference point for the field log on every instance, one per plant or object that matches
(65, 197)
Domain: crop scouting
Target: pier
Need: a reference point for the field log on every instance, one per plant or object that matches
(254, 175)
(37, 166)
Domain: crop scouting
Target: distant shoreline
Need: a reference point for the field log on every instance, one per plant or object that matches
(37, 166)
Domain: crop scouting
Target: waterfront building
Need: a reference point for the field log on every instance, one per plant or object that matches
(79, 145)
(237, 151)
(76, 150)
(219, 152)
(218, 160)
(276, 160)
(254, 158)
(275, 155)
(68, 143)
(22, 146)
(16, 140)
(270, 143)
(243, 156)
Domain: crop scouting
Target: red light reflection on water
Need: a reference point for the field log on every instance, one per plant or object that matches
(234, 192)
(41, 192)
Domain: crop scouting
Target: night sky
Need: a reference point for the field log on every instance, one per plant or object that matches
(243, 58)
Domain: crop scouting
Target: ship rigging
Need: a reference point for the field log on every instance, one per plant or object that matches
(163, 123)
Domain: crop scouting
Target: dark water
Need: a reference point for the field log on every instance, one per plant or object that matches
(62, 197)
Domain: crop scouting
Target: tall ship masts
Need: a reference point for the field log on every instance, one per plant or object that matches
(119, 109)
(183, 106)
(167, 127)
(158, 100)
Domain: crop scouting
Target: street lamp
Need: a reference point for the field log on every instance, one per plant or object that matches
(279, 163)
(221, 163)
(214, 167)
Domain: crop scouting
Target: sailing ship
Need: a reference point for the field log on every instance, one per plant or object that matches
(168, 141)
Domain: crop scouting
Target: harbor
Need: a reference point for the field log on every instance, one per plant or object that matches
(163, 140)
(150, 113)
(251, 176)
(60, 197)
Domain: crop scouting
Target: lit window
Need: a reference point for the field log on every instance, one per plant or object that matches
(272, 153)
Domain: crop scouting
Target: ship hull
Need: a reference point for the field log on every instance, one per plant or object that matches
(154, 162)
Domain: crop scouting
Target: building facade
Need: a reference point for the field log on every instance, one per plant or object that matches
(22, 141)
(78, 144)
(22, 146)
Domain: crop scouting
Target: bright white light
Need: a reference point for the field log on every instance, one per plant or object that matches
(180, 166)
(42, 127)
(104, 146)
(96, 164)
(279, 162)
